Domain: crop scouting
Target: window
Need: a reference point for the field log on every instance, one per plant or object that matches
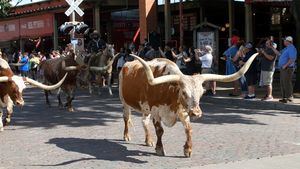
(162, 2)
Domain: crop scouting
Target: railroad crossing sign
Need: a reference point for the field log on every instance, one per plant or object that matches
(74, 7)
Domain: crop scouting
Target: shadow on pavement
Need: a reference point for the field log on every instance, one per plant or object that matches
(89, 111)
(99, 149)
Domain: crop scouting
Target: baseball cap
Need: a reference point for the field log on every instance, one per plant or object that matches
(289, 38)
(248, 45)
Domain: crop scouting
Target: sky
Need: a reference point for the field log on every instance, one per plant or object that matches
(24, 2)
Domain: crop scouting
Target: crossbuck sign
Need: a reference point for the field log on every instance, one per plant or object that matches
(74, 7)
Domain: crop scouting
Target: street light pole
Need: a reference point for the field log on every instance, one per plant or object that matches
(73, 32)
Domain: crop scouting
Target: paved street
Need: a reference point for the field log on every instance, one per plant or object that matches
(91, 137)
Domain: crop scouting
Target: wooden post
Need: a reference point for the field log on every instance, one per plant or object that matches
(55, 33)
(230, 14)
(167, 21)
(97, 17)
(248, 22)
(148, 18)
(181, 22)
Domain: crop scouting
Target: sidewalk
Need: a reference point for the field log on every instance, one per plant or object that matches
(290, 161)
(222, 97)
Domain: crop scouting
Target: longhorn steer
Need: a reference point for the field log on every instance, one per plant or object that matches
(11, 91)
(159, 90)
(54, 69)
(101, 64)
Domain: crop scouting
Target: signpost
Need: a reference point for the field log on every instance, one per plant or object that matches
(74, 7)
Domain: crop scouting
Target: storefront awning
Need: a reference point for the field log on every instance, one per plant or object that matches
(28, 27)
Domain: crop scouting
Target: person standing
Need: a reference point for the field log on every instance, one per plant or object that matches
(24, 69)
(251, 74)
(286, 64)
(34, 62)
(268, 58)
(230, 68)
(207, 67)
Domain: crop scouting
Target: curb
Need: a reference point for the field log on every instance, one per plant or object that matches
(253, 103)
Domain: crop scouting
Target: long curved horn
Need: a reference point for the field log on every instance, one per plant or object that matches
(46, 87)
(69, 68)
(158, 80)
(103, 68)
(16, 64)
(3, 79)
(230, 78)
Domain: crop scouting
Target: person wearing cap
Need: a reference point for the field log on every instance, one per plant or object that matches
(96, 44)
(251, 74)
(207, 67)
(286, 63)
(268, 58)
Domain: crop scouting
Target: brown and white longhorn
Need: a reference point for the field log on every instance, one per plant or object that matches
(160, 91)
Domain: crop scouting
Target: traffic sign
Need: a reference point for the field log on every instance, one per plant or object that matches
(74, 7)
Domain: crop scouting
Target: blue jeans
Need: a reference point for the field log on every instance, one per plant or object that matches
(243, 83)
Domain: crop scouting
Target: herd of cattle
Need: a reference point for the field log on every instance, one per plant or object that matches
(156, 88)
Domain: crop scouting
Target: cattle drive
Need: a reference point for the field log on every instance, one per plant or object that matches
(12, 86)
(156, 88)
(159, 90)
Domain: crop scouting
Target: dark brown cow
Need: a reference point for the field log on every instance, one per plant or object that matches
(159, 90)
(11, 90)
(54, 69)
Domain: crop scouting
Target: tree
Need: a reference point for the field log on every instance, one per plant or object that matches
(4, 8)
(296, 13)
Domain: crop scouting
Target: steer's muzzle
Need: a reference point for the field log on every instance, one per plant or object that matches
(195, 112)
(20, 102)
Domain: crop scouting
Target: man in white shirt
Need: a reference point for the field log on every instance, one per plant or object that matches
(207, 61)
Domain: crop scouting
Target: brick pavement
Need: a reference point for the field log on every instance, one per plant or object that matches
(42, 137)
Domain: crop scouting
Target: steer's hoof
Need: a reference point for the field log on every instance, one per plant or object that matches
(71, 109)
(187, 153)
(149, 143)
(160, 152)
(127, 138)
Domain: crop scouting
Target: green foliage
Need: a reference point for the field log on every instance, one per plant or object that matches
(4, 8)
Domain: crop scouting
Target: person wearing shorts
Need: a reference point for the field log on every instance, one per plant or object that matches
(268, 58)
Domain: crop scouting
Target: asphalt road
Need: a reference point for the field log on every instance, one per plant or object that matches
(91, 137)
